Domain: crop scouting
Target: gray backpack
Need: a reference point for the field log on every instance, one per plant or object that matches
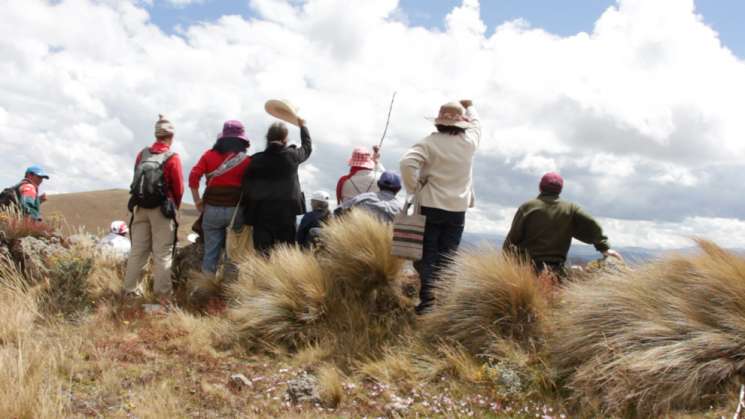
(148, 189)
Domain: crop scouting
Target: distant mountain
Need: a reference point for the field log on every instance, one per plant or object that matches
(579, 254)
(94, 211)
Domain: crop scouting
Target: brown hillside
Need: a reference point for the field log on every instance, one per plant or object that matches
(94, 211)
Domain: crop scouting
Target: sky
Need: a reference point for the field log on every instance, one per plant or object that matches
(637, 103)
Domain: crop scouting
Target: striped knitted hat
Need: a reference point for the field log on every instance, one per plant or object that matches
(163, 128)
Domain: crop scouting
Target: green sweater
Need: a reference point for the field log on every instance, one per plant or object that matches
(543, 229)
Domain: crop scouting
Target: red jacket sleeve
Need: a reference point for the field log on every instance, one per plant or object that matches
(173, 172)
(339, 187)
(199, 170)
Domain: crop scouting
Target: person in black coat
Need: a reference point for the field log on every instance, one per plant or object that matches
(271, 188)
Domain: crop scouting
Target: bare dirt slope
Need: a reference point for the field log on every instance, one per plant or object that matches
(94, 211)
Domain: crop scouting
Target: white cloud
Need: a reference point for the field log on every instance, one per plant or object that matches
(642, 115)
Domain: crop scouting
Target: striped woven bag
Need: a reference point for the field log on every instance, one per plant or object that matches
(408, 233)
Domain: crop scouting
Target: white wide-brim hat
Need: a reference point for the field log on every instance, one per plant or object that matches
(282, 109)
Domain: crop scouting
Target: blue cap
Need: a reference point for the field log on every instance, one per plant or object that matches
(38, 171)
(389, 181)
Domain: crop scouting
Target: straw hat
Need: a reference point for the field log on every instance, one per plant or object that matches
(452, 114)
(282, 109)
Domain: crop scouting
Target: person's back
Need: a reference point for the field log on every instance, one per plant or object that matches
(271, 188)
(364, 172)
(438, 171)
(548, 228)
(314, 219)
(543, 228)
(382, 204)
(444, 161)
(155, 197)
(223, 166)
(115, 245)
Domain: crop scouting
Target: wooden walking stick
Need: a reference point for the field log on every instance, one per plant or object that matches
(388, 121)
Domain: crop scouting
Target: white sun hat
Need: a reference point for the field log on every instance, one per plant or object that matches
(282, 109)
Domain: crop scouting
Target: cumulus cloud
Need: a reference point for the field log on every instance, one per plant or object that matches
(641, 115)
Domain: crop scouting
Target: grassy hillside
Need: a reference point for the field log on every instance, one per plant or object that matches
(94, 211)
(332, 333)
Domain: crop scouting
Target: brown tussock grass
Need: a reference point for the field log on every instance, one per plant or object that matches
(347, 296)
(485, 295)
(280, 299)
(668, 336)
(330, 386)
(197, 335)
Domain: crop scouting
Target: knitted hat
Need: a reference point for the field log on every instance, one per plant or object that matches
(163, 128)
(389, 181)
(362, 157)
(551, 182)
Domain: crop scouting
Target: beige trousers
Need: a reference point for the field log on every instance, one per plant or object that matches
(151, 233)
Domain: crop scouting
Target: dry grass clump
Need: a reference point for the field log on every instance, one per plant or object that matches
(347, 296)
(30, 385)
(486, 295)
(330, 386)
(668, 336)
(14, 225)
(18, 305)
(197, 335)
(280, 299)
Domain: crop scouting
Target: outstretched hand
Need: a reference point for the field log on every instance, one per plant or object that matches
(466, 103)
(612, 253)
(376, 153)
(300, 122)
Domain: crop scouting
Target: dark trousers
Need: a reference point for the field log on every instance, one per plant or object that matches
(442, 234)
(556, 268)
(271, 230)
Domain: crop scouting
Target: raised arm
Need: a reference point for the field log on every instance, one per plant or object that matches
(303, 152)
(473, 134)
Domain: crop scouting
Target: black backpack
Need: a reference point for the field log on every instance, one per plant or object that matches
(10, 197)
(148, 189)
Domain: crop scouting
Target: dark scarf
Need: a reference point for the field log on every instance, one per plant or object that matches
(230, 145)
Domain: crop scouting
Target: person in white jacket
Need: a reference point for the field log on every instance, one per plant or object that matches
(438, 170)
(116, 243)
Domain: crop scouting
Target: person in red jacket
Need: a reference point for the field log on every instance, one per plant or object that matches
(223, 166)
(156, 192)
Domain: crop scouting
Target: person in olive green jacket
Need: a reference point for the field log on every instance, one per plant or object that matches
(543, 228)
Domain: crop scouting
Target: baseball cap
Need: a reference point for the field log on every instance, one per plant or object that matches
(38, 171)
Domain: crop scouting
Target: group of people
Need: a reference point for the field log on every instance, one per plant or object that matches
(263, 190)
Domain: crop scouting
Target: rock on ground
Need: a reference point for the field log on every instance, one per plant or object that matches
(32, 254)
(303, 389)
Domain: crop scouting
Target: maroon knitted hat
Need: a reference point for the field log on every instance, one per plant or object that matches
(552, 182)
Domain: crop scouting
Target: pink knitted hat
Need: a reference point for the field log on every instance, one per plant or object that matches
(552, 182)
